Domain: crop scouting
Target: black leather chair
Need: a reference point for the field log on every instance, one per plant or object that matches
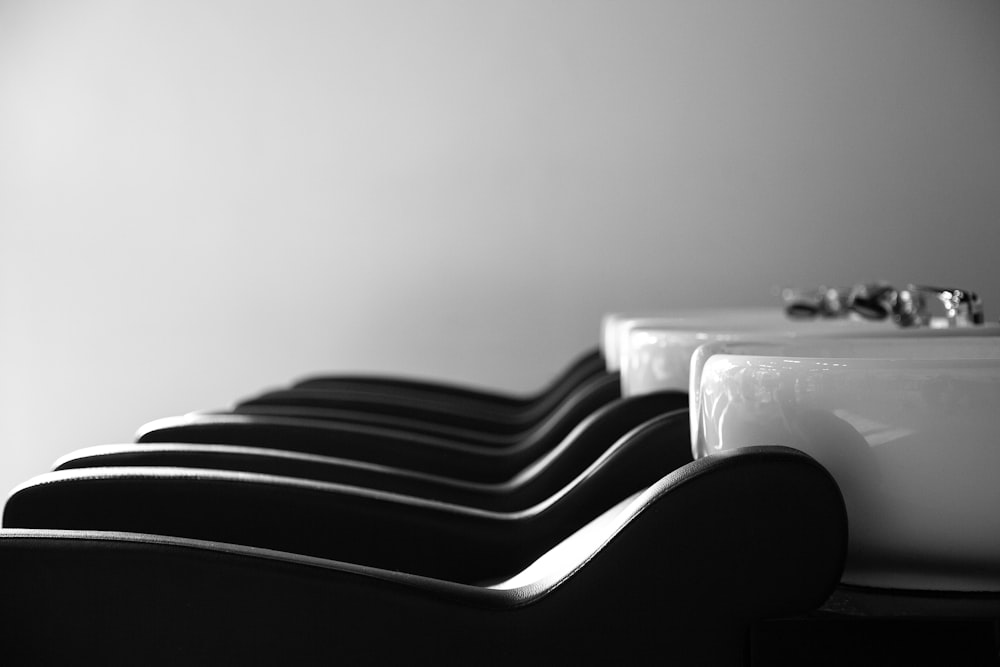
(460, 405)
(678, 572)
(492, 538)
(446, 420)
(472, 462)
(445, 410)
(610, 467)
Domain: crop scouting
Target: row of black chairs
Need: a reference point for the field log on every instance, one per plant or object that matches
(381, 520)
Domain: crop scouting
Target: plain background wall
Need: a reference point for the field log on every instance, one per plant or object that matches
(202, 199)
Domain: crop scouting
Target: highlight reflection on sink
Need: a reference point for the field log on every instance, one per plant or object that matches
(656, 356)
(617, 327)
(907, 426)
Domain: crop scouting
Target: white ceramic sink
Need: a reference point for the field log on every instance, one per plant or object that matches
(656, 356)
(617, 327)
(908, 426)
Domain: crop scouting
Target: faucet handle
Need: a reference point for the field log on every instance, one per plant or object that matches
(911, 306)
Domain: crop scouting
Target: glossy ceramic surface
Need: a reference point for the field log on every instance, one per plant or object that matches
(908, 427)
(656, 355)
(617, 327)
(611, 323)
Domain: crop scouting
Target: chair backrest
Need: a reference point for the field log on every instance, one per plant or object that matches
(596, 443)
(384, 446)
(680, 570)
(448, 420)
(584, 367)
(331, 521)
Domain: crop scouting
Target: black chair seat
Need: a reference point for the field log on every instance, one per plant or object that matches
(387, 411)
(393, 448)
(612, 466)
(678, 572)
(496, 405)
(429, 537)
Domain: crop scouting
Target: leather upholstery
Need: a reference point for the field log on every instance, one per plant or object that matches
(427, 406)
(502, 404)
(602, 453)
(434, 456)
(448, 421)
(679, 572)
(391, 531)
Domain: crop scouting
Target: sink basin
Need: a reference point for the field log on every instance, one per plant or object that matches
(906, 424)
(656, 355)
(617, 327)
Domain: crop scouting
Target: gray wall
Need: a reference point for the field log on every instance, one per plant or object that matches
(199, 199)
